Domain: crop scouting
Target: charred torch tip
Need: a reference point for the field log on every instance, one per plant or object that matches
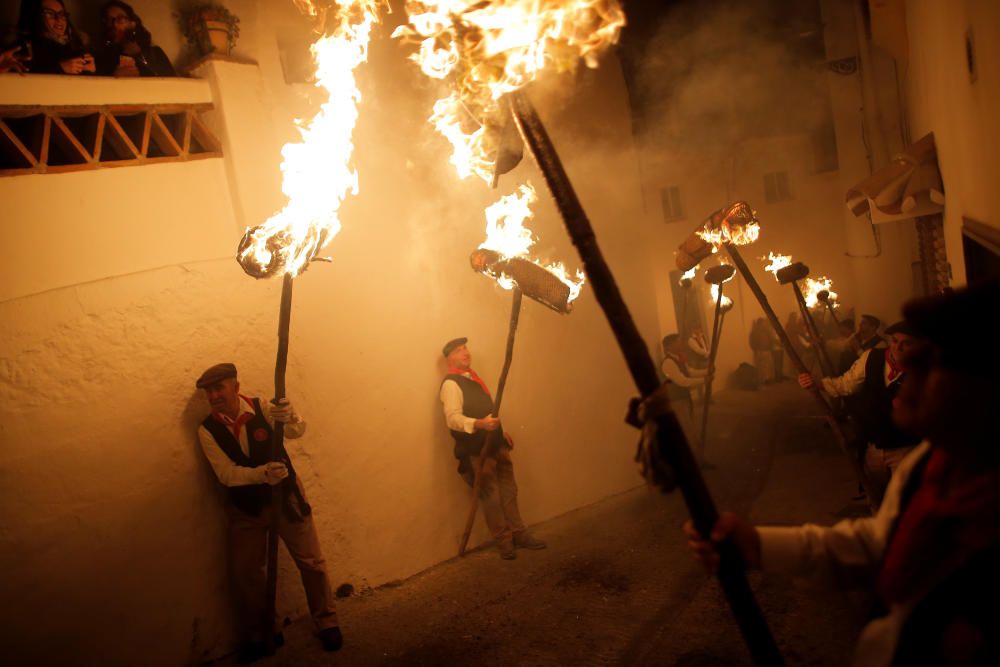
(792, 273)
(720, 274)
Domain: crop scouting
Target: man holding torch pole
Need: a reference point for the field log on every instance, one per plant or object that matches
(235, 438)
(469, 414)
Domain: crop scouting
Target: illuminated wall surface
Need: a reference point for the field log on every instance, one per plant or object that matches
(120, 287)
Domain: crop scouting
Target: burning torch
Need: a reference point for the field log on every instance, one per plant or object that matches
(825, 297)
(717, 276)
(493, 50)
(531, 280)
(737, 225)
(317, 177)
(791, 275)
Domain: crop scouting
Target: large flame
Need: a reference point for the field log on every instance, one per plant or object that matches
(494, 47)
(486, 49)
(726, 301)
(812, 287)
(776, 262)
(317, 172)
(736, 224)
(507, 235)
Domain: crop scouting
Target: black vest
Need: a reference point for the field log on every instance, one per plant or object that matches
(874, 406)
(252, 498)
(476, 403)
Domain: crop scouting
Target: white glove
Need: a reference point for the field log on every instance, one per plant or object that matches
(284, 412)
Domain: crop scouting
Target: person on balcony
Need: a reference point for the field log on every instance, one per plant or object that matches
(128, 48)
(14, 60)
(54, 45)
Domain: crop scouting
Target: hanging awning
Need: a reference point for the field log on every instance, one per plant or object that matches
(908, 187)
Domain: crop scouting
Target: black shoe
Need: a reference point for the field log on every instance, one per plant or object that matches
(332, 639)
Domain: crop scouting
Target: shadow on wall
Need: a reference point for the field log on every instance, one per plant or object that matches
(211, 634)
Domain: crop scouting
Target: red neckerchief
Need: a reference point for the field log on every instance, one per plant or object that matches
(235, 426)
(945, 522)
(681, 359)
(472, 376)
(895, 370)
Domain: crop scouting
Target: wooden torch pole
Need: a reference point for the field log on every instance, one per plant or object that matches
(672, 443)
(786, 342)
(491, 444)
(716, 332)
(277, 446)
(818, 341)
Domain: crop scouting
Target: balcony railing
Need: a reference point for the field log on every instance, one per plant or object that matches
(38, 139)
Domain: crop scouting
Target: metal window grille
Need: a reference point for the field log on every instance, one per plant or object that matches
(672, 209)
(776, 187)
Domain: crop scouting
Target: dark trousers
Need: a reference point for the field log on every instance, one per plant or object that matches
(248, 561)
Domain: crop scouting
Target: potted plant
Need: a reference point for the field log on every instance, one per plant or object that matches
(210, 28)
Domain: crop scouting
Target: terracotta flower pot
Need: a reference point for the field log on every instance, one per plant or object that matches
(214, 37)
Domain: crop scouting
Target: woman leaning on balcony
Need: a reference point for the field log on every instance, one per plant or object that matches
(54, 46)
(128, 46)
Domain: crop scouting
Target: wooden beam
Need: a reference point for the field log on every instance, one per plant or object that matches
(119, 138)
(162, 136)
(7, 132)
(204, 136)
(67, 140)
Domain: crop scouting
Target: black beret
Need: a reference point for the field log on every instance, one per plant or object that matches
(216, 373)
(452, 344)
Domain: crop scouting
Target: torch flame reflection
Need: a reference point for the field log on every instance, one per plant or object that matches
(317, 174)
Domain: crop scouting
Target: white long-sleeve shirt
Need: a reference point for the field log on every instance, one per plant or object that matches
(847, 555)
(228, 472)
(452, 401)
(695, 377)
(851, 381)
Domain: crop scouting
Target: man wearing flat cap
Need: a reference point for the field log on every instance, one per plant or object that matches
(236, 439)
(930, 553)
(468, 412)
(874, 380)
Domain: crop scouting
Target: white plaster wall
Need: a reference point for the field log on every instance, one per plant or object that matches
(961, 113)
(113, 530)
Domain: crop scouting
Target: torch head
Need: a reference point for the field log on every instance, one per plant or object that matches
(792, 273)
(725, 306)
(824, 296)
(735, 223)
(533, 280)
(720, 274)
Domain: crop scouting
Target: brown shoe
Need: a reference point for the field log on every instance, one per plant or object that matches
(506, 549)
(525, 540)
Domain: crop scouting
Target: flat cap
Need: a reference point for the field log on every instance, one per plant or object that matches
(216, 373)
(452, 344)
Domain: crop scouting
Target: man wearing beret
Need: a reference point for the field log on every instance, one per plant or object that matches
(236, 438)
(930, 553)
(468, 412)
(874, 380)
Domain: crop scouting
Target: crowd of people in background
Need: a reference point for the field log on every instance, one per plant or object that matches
(48, 43)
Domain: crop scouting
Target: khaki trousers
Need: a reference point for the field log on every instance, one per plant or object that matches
(879, 466)
(248, 561)
(498, 494)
